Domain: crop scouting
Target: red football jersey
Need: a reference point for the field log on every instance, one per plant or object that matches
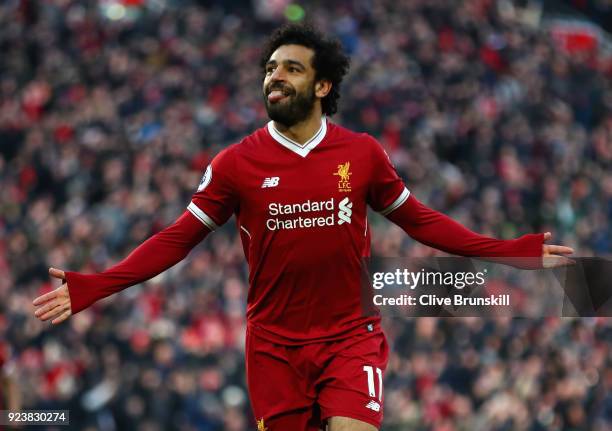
(302, 215)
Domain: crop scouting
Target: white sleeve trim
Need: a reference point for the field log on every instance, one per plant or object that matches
(202, 216)
(396, 204)
(247, 232)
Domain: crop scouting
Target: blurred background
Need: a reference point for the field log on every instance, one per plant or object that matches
(498, 113)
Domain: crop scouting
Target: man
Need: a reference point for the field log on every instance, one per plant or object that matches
(299, 188)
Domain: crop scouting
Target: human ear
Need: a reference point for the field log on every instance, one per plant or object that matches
(322, 88)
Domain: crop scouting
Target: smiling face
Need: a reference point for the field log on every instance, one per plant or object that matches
(289, 87)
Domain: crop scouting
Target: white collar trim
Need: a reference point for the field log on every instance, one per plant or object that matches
(290, 144)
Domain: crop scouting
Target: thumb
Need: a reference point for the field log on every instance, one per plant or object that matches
(547, 236)
(57, 273)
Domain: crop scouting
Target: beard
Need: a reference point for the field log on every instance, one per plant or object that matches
(292, 110)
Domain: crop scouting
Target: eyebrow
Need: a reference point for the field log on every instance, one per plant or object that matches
(287, 62)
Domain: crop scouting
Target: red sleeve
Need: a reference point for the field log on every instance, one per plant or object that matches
(386, 190)
(152, 257)
(216, 198)
(439, 231)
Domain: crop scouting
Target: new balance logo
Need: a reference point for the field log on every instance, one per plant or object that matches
(344, 211)
(270, 182)
(373, 405)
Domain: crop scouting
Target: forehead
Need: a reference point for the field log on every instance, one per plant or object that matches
(293, 52)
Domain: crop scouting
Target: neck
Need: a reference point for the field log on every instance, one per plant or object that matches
(301, 132)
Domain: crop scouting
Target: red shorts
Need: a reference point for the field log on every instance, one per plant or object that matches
(297, 388)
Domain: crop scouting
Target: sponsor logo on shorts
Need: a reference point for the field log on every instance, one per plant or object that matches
(261, 426)
(373, 405)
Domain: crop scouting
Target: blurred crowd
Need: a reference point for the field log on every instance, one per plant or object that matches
(108, 121)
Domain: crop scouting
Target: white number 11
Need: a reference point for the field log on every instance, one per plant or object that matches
(371, 389)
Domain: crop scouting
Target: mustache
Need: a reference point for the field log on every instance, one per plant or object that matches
(287, 91)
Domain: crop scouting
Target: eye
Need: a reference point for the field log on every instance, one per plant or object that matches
(270, 69)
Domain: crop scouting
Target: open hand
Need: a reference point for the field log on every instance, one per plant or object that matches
(55, 304)
(553, 256)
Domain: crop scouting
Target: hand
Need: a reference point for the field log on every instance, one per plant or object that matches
(55, 304)
(553, 256)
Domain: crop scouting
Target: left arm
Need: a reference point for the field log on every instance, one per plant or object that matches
(440, 231)
(388, 195)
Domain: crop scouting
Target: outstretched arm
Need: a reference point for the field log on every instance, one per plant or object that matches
(388, 195)
(439, 231)
(155, 255)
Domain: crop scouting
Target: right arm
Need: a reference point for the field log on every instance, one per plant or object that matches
(155, 255)
(212, 205)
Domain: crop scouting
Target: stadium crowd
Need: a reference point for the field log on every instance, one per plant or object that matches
(106, 127)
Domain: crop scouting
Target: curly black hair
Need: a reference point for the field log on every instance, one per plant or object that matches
(329, 60)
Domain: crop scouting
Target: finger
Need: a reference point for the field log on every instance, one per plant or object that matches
(557, 261)
(561, 263)
(547, 236)
(66, 314)
(54, 312)
(47, 307)
(559, 249)
(46, 297)
(57, 273)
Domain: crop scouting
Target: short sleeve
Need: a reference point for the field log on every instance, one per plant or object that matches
(216, 198)
(386, 191)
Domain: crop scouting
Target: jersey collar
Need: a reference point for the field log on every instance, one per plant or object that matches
(290, 144)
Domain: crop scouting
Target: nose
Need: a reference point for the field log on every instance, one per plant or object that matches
(278, 74)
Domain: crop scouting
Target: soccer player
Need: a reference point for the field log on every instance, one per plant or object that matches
(299, 188)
